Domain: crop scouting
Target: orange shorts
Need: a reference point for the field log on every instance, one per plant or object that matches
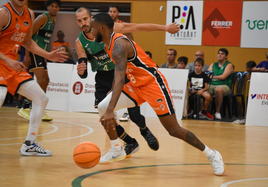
(12, 79)
(156, 93)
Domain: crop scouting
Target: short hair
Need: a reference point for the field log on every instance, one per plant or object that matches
(175, 52)
(224, 50)
(60, 32)
(251, 64)
(84, 8)
(105, 19)
(113, 6)
(49, 2)
(149, 53)
(183, 59)
(200, 61)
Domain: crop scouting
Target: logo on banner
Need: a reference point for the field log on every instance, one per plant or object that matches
(213, 25)
(263, 97)
(189, 15)
(186, 18)
(258, 24)
(77, 88)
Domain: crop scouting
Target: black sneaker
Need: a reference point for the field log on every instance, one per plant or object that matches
(19, 104)
(150, 138)
(131, 148)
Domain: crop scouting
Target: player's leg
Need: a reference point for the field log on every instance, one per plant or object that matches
(32, 90)
(116, 152)
(158, 95)
(207, 101)
(3, 93)
(104, 82)
(139, 120)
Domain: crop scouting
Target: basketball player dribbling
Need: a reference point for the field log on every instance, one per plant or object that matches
(147, 84)
(16, 30)
(88, 49)
(43, 27)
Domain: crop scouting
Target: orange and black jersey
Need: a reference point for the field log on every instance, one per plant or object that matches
(140, 68)
(13, 34)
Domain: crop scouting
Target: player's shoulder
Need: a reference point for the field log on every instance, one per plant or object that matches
(3, 11)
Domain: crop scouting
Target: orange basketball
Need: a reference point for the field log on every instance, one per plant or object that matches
(86, 155)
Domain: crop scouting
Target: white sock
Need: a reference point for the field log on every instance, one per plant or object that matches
(207, 151)
(116, 144)
(32, 91)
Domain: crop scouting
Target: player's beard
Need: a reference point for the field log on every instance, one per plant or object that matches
(98, 37)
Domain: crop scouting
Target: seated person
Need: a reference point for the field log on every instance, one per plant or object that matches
(182, 62)
(171, 58)
(198, 54)
(262, 66)
(198, 84)
(220, 85)
(69, 54)
(249, 66)
(60, 41)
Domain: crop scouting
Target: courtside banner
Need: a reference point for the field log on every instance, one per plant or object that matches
(82, 92)
(255, 25)
(58, 89)
(257, 108)
(222, 23)
(189, 14)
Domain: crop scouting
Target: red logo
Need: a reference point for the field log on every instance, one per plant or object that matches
(77, 88)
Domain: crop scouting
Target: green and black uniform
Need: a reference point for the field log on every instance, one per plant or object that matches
(42, 39)
(100, 62)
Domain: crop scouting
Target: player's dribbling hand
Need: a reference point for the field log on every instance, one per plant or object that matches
(81, 68)
(173, 28)
(16, 65)
(57, 56)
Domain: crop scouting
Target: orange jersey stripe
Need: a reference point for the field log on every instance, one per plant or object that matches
(141, 69)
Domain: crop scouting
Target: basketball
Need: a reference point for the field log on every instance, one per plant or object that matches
(86, 155)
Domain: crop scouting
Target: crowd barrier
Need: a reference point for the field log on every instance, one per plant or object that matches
(257, 110)
(68, 92)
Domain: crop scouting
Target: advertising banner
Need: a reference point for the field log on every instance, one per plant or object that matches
(189, 14)
(222, 23)
(82, 92)
(58, 89)
(257, 108)
(254, 25)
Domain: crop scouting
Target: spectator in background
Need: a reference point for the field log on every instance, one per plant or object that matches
(171, 58)
(263, 66)
(182, 62)
(191, 66)
(220, 83)
(249, 67)
(198, 85)
(66, 49)
(114, 13)
(149, 54)
(60, 41)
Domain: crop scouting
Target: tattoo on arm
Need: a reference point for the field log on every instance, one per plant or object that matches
(119, 56)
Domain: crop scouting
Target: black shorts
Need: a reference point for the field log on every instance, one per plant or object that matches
(104, 82)
(37, 62)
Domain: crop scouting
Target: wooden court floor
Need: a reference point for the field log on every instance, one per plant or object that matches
(244, 150)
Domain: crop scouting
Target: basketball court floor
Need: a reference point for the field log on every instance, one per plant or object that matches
(244, 150)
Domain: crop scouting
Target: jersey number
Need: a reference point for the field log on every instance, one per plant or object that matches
(132, 78)
(105, 68)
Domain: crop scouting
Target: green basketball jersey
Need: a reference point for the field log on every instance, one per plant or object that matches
(98, 58)
(43, 35)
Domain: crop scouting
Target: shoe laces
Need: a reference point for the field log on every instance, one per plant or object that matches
(150, 137)
(216, 163)
(128, 147)
(37, 147)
